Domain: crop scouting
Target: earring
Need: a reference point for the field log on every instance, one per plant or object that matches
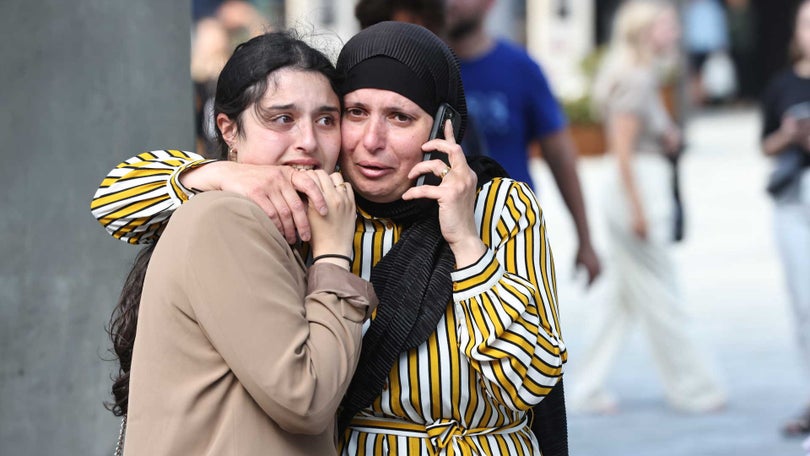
(231, 154)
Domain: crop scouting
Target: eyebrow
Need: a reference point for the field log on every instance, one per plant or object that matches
(286, 107)
(386, 108)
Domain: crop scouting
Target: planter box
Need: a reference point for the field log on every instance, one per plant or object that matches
(589, 139)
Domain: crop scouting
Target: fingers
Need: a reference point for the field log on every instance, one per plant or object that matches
(286, 220)
(304, 183)
(455, 154)
(298, 213)
(436, 167)
(449, 135)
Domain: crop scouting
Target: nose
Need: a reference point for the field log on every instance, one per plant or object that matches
(307, 141)
(374, 134)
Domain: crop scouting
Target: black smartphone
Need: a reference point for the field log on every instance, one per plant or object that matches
(443, 114)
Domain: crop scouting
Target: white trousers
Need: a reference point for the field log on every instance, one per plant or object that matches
(646, 290)
(792, 230)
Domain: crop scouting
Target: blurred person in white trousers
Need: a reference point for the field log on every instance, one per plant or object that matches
(786, 138)
(639, 206)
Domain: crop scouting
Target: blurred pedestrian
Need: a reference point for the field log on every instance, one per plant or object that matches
(638, 202)
(706, 37)
(744, 47)
(510, 99)
(210, 49)
(240, 348)
(786, 137)
(213, 41)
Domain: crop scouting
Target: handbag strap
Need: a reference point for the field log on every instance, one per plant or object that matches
(119, 446)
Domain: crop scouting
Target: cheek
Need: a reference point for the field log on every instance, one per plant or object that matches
(331, 149)
(410, 155)
(349, 136)
(263, 148)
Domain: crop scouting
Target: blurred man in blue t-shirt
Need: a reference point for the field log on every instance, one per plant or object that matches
(510, 100)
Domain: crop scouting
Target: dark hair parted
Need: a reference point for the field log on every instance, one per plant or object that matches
(244, 79)
(242, 83)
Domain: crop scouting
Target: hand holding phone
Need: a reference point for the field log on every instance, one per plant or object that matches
(443, 114)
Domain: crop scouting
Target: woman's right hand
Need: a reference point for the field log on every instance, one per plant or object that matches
(273, 188)
(333, 233)
(639, 225)
(798, 131)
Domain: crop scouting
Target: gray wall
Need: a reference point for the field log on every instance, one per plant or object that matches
(83, 84)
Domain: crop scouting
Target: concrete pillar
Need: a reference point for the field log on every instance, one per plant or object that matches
(85, 83)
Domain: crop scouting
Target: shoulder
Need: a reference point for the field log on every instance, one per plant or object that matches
(215, 203)
(777, 85)
(640, 77)
(497, 193)
(638, 81)
(518, 55)
(218, 211)
(781, 80)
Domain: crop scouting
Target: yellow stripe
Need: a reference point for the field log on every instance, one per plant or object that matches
(125, 194)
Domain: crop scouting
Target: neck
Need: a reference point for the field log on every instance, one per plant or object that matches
(472, 45)
(802, 68)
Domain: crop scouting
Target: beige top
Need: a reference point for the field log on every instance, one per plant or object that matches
(240, 350)
(637, 92)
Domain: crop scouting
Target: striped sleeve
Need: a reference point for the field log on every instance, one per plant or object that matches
(138, 196)
(507, 301)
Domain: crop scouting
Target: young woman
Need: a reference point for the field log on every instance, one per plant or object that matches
(466, 339)
(240, 348)
(786, 137)
(638, 205)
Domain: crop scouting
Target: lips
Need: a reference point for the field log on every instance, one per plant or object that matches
(304, 165)
(373, 170)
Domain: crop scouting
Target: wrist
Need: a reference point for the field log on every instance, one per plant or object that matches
(468, 251)
(344, 261)
(204, 177)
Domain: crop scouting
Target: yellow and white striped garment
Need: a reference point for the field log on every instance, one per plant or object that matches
(497, 351)
(139, 195)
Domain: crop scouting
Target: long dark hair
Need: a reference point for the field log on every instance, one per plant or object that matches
(242, 83)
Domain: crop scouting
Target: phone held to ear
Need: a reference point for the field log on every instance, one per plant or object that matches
(443, 114)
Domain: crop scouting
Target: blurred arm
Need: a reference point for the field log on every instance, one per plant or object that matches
(560, 154)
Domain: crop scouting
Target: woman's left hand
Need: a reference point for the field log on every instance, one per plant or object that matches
(455, 196)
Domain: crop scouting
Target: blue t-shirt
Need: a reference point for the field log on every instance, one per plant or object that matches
(510, 100)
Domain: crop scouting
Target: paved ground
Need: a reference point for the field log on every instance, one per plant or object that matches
(734, 294)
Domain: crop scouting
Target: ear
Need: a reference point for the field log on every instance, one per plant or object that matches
(228, 128)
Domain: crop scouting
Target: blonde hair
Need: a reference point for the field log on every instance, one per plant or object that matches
(629, 47)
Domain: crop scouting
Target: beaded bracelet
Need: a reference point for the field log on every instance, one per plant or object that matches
(332, 255)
